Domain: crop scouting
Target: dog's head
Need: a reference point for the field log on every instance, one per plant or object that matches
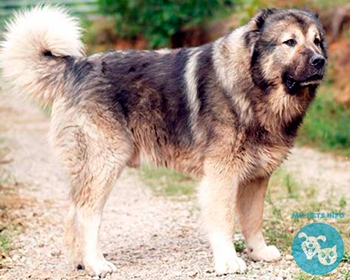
(287, 47)
(311, 242)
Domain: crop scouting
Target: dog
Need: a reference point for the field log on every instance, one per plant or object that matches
(226, 112)
(310, 245)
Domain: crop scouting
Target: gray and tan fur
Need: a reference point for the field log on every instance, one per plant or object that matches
(226, 112)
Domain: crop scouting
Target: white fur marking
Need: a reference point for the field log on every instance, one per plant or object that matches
(163, 51)
(228, 72)
(191, 83)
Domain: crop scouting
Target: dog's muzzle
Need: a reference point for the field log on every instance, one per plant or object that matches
(317, 61)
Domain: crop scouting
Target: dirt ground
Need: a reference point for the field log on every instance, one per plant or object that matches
(146, 236)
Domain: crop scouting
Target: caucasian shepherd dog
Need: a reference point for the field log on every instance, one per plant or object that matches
(226, 112)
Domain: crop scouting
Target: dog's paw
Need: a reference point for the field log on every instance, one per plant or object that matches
(229, 265)
(99, 268)
(267, 253)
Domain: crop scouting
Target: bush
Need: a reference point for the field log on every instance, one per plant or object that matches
(158, 20)
(326, 125)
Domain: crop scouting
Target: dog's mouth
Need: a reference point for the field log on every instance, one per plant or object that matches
(293, 84)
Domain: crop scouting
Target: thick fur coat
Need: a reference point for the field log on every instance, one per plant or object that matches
(226, 112)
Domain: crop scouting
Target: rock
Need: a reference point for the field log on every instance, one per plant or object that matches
(289, 257)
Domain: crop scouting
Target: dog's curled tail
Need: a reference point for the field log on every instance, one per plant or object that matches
(36, 47)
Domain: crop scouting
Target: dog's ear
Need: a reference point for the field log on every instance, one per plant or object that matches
(261, 17)
(302, 235)
(311, 13)
(255, 27)
(322, 237)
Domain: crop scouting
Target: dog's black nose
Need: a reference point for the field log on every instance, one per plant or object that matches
(317, 61)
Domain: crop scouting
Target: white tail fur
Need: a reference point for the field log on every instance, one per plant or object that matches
(31, 54)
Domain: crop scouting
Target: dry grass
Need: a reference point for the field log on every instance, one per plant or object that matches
(168, 182)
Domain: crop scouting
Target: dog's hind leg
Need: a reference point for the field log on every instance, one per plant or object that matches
(95, 152)
(250, 206)
(217, 197)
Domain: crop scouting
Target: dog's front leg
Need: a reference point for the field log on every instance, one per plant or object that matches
(217, 196)
(250, 206)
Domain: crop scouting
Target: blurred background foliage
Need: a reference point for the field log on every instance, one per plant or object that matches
(153, 24)
(159, 20)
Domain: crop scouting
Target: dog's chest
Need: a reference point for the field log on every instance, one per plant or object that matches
(264, 159)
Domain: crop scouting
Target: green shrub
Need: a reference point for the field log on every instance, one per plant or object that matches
(158, 20)
(327, 124)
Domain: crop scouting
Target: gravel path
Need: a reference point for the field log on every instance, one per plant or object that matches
(147, 237)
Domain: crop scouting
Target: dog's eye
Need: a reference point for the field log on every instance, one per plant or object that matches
(290, 43)
(317, 42)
